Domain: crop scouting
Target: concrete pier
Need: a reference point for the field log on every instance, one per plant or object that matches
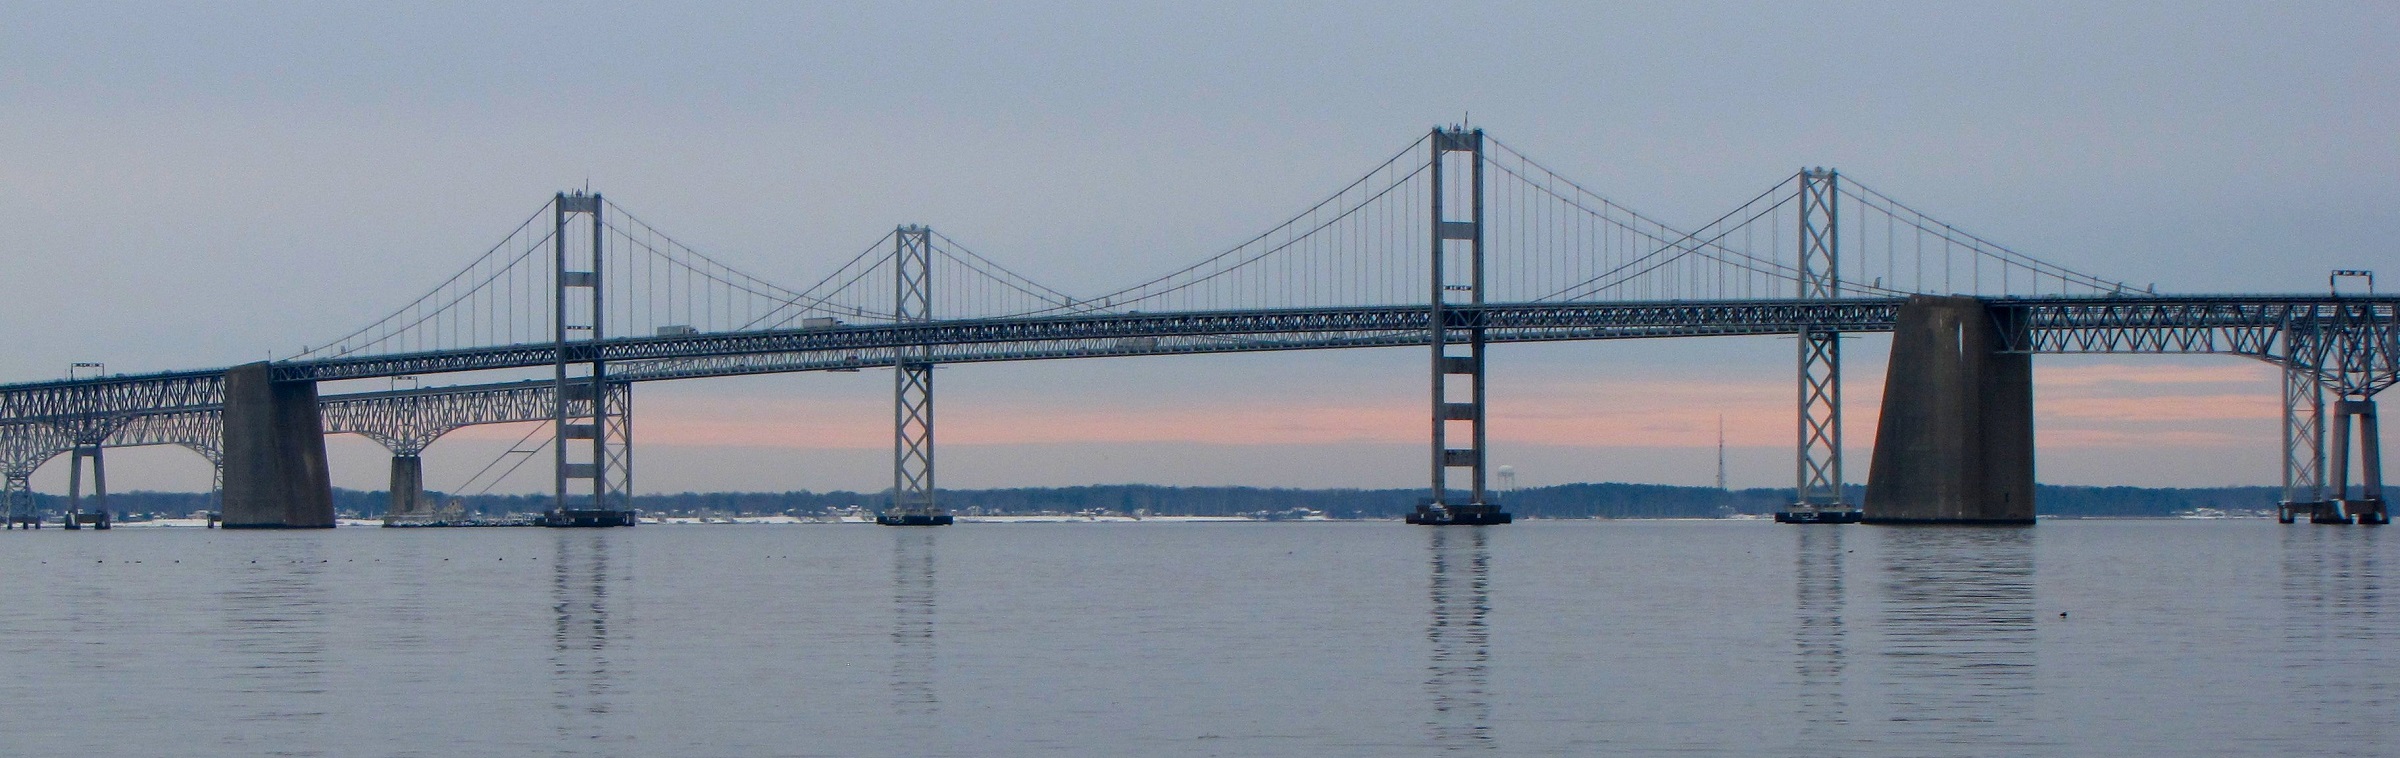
(275, 471)
(98, 516)
(408, 488)
(2368, 506)
(1955, 444)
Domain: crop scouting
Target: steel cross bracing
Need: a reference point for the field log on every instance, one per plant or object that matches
(2303, 438)
(912, 384)
(75, 404)
(402, 421)
(1819, 454)
(23, 448)
(2352, 343)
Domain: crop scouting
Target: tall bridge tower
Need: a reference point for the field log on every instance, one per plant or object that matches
(1456, 311)
(584, 426)
(1817, 493)
(912, 386)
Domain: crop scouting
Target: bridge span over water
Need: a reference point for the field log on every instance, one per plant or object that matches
(1454, 244)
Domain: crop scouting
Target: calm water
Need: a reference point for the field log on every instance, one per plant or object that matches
(1371, 639)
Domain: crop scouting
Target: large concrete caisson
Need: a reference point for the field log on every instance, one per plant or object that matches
(275, 474)
(1955, 444)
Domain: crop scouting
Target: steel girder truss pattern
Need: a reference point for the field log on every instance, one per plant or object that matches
(2352, 342)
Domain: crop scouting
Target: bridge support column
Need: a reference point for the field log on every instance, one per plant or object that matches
(581, 424)
(912, 389)
(1955, 444)
(2303, 447)
(2368, 507)
(275, 471)
(1457, 311)
(17, 496)
(408, 488)
(1817, 496)
(77, 518)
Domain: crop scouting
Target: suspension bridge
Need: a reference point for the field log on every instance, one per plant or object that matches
(1454, 243)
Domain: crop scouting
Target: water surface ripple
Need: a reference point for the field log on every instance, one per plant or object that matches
(1319, 639)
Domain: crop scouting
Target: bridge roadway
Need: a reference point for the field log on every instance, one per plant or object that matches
(2354, 342)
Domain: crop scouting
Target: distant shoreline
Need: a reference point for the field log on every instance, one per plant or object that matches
(1615, 500)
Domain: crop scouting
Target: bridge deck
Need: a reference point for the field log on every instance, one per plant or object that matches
(2259, 326)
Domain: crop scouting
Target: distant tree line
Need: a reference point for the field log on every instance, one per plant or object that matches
(1603, 500)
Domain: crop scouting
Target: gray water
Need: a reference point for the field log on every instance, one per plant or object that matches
(1368, 639)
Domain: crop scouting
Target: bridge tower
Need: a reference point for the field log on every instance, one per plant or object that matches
(1817, 496)
(1455, 312)
(591, 440)
(17, 498)
(912, 386)
(2303, 446)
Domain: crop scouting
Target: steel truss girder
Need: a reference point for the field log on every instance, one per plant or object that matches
(402, 421)
(67, 402)
(25, 447)
(1615, 320)
(1188, 334)
(2352, 341)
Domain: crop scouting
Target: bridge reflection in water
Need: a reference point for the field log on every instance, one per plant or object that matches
(584, 687)
(1957, 648)
(913, 697)
(278, 633)
(1458, 673)
(2333, 609)
(1821, 639)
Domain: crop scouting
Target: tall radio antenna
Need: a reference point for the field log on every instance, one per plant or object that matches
(1721, 452)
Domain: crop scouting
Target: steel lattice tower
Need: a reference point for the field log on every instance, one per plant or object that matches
(2303, 444)
(18, 497)
(1818, 493)
(912, 386)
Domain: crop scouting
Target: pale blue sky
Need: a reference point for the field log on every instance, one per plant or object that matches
(188, 185)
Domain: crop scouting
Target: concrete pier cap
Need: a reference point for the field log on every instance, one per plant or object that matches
(1955, 443)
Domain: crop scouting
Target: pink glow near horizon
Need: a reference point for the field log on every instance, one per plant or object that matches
(2108, 405)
